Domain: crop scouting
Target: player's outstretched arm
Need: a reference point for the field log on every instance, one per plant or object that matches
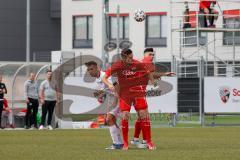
(158, 75)
(169, 74)
(152, 79)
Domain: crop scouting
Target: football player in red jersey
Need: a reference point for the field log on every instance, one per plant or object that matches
(130, 74)
(149, 54)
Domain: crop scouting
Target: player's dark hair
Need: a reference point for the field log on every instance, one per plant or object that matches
(48, 70)
(126, 52)
(90, 63)
(148, 50)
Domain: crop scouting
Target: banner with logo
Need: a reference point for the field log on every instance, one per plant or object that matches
(221, 95)
(164, 98)
(80, 100)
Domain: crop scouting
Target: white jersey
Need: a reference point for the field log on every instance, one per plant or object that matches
(101, 85)
(111, 96)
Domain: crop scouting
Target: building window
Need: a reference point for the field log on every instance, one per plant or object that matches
(156, 30)
(210, 68)
(124, 27)
(237, 69)
(190, 69)
(163, 66)
(190, 38)
(232, 23)
(82, 32)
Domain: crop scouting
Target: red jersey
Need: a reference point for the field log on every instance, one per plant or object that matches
(149, 66)
(147, 61)
(206, 4)
(129, 75)
(5, 104)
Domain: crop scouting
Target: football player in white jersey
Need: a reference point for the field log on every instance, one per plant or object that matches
(112, 98)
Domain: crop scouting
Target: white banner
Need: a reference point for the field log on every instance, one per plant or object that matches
(221, 95)
(80, 104)
(164, 100)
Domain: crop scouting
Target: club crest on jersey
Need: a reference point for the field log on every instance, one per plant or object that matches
(134, 69)
(224, 93)
(128, 73)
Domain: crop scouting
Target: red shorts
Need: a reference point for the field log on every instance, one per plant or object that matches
(139, 103)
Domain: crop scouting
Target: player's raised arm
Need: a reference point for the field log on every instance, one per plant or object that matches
(106, 81)
(110, 71)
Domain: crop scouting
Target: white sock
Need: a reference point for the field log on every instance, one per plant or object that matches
(136, 139)
(115, 134)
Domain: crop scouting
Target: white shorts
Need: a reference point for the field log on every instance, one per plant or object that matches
(112, 105)
(116, 112)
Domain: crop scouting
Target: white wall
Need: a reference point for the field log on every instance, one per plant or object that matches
(136, 29)
(221, 95)
(71, 8)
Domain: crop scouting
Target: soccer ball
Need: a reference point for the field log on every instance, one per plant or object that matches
(139, 15)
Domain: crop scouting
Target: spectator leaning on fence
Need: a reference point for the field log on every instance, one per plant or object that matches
(49, 96)
(3, 90)
(31, 97)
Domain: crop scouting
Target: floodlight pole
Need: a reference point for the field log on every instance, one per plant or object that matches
(105, 56)
(201, 78)
(27, 30)
(118, 28)
(234, 54)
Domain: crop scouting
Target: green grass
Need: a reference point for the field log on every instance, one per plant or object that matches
(184, 119)
(226, 119)
(207, 143)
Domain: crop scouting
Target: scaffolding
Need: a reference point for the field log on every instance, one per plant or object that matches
(213, 44)
(197, 48)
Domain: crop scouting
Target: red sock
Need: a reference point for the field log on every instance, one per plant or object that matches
(146, 129)
(138, 128)
(144, 135)
(125, 131)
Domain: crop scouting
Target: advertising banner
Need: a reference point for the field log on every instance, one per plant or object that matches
(221, 95)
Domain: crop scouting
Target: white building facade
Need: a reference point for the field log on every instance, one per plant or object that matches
(82, 29)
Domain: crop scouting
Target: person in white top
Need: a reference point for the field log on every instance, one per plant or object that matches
(49, 97)
(102, 91)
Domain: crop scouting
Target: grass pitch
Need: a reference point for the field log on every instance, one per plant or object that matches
(217, 143)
